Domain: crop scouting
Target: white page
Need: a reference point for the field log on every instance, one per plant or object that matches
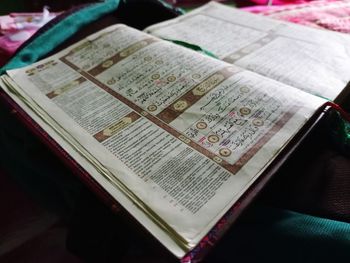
(312, 60)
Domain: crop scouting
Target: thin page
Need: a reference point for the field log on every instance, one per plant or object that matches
(181, 134)
(46, 124)
(312, 60)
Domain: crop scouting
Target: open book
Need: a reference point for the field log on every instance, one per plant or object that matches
(177, 137)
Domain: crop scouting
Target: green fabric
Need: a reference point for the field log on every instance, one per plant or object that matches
(193, 47)
(266, 234)
(44, 43)
(169, 6)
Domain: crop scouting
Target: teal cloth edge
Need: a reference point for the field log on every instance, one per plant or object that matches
(170, 6)
(295, 223)
(270, 234)
(54, 36)
(192, 46)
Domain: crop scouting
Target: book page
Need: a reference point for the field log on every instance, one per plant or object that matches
(312, 60)
(182, 135)
(115, 192)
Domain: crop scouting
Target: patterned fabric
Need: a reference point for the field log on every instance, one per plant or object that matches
(325, 14)
(279, 2)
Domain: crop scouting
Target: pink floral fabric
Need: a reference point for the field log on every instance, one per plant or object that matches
(326, 14)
